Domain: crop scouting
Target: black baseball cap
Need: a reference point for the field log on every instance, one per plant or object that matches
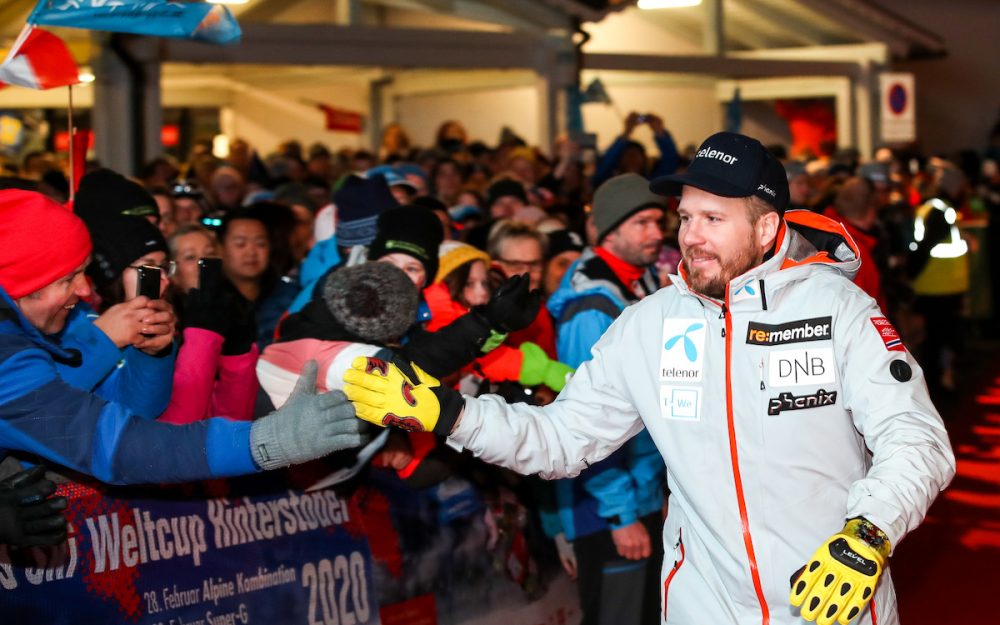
(731, 165)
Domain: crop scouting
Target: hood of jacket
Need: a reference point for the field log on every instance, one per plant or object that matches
(589, 275)
(10, 313)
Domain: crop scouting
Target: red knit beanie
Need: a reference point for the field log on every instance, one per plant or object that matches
(40, 242)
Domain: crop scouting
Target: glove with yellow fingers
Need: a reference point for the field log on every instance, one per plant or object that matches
(401, 395)
(840, 578)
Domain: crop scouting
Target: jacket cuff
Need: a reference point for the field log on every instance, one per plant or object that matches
(621, 520)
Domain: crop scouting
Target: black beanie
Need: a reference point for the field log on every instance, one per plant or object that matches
(375, 301)
(412, 230)
(115, 209)
(104, 193)
(505, 188)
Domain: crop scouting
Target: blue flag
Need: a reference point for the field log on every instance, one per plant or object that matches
(200, 21)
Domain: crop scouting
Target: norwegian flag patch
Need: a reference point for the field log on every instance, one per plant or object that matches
(888, 334)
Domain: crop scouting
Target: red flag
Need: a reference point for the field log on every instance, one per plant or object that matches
(39, 60)
(343, 120)
(81, 141)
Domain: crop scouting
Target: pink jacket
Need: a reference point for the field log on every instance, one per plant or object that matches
(208, 384)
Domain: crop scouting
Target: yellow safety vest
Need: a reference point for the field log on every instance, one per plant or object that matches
(947, 270)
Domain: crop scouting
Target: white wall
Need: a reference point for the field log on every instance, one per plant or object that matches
(483, 113)
(633, 31)
(690, 111)
(266, 117)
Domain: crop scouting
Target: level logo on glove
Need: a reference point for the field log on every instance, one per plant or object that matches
(383, 394)
(840, 578)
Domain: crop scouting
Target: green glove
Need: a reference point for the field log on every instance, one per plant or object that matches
(840, 578)
(384, 394)
(537, 368)
(307, 427)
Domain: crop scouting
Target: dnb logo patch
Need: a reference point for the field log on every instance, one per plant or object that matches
(787, 401)
(683, 404)
(683, 347)
(799, 367)
(801, 331)
(888, 334)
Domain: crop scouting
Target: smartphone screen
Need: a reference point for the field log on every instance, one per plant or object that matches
(149, 281)
(209, 274)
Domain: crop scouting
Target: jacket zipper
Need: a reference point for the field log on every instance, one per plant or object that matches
(734, 456)
(670, 577)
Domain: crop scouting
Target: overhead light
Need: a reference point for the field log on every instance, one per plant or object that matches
(667, 4)
(85, 75)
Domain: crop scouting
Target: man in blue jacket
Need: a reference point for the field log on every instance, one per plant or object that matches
(44, 249)
(613, 510)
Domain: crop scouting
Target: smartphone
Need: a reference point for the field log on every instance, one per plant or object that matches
(641, 119)
(209, 274)
(149, 281)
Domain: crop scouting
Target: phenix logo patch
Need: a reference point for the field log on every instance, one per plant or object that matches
(787, 401)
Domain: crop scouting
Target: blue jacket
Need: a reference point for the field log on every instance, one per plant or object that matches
(139, 382)
(665, 165)
(43, 415)
(631, 482)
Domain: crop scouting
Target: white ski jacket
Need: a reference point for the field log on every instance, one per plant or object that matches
(780, 412)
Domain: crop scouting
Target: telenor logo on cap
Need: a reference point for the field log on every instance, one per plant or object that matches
(716, 154)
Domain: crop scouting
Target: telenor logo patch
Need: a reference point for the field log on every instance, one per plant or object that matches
(817, 329)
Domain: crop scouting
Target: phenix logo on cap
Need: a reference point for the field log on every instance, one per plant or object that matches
(728, 164)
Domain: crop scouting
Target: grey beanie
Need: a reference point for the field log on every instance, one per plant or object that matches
(621, 197)
(375, 301)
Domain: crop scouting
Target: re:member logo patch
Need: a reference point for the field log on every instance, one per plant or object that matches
(801, 331)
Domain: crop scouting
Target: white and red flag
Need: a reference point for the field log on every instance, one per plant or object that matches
(38, 60)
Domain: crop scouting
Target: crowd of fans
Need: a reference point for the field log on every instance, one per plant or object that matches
(489, 266)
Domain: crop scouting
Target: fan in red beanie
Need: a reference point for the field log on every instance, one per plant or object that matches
(41, 242)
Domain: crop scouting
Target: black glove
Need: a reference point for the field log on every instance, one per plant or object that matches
(28, 516)
(206, 310)
(513, 306)
(242, 331)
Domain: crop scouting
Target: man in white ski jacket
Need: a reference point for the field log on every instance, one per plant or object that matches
(782, 400)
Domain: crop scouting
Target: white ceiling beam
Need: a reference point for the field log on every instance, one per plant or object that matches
(875, 24)
(263, 10)
(728, 67)
(284, 44)
(782, 24)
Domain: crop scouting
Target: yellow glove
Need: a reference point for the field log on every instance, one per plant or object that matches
(840, 578)
(383, 394)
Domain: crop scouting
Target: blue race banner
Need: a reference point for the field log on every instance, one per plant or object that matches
(175, 557)
(200, 21)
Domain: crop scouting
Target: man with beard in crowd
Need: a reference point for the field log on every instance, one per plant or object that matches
(800, 442)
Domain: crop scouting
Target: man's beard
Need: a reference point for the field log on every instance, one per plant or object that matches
(715, 287)
(641, 256)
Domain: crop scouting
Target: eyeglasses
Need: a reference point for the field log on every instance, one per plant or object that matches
(520, 266)
(168, 268)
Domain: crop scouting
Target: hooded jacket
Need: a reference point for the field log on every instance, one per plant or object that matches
(629, 484)
(780, 412)
(43, 415)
